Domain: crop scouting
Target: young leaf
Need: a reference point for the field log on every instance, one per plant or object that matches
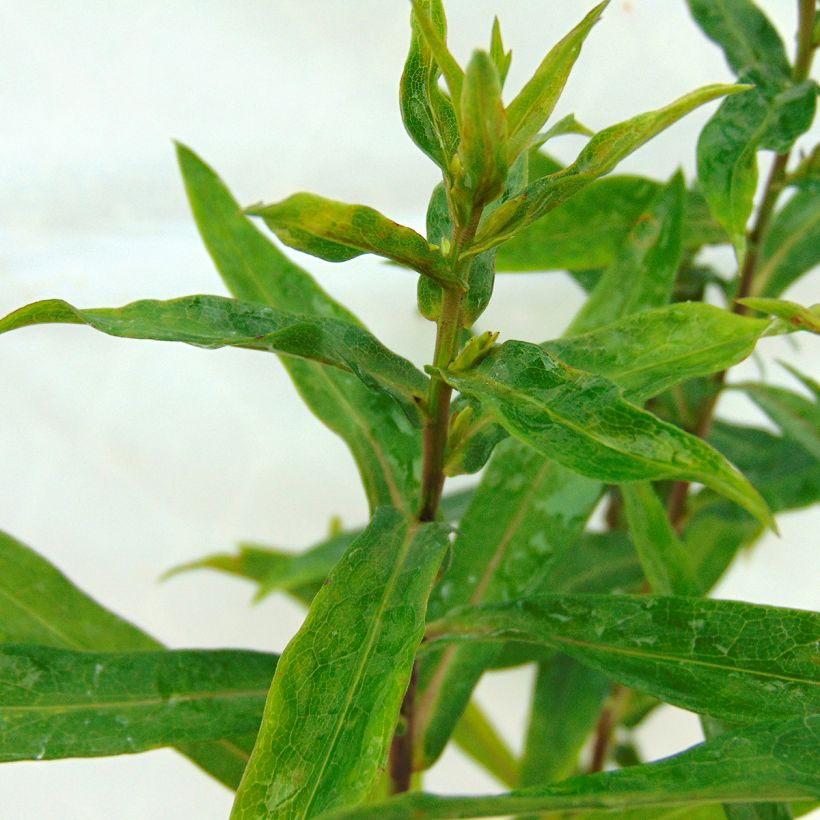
(501, 58)
(387, 449)
(769, 761)
(39, 605)
(531, 109)
(427, 113)
(527, 513)
(336, 232)
(603, 152)
(566, 704)
(792, 245)
(428, 14)
(732, 660)
(747, 37)
(214, 321)
(772, 116)
(335, 699)
(56, 703)
(664, 560)
(582, 421)
(796, 316)
(643, 273)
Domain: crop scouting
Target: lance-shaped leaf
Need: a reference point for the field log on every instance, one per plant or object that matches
(743, 32)
(643, 273)
(56, 703)
(792, 245)
(796, 316)
(796, 415)
(583, 422)
(772, 117)
(770, 761)
(337, 231)
(566, 704)
(663, 557)
(731, 660)
(335, 699)
(501, 58)
(478, 739)
(387, 449)
(301, 574)
(214, 321)
(527, 513)
(39, 605)
(603, 152)
(531, 109)
(427, 113)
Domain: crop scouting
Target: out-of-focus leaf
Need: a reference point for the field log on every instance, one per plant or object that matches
(566, 125)
(214, 321)
(731, 660)
(664, 560)
(771, 116)
(643, 272)
(588, 230)
(769, 761)
(526, 513)
(501, 58)
(796, 316)
(582, 421)
(386, 448)
(56, 703)
(796, 415)
(791, 246)
(566, 703)
(335, 699)
(743, 32)
(427, 113)
(531, 109)
(337, 231)
(39, 605)
(478, 739)
(603, 152)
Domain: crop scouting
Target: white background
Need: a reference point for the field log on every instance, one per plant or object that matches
(124, 458)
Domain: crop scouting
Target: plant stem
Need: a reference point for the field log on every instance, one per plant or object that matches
(805, 49)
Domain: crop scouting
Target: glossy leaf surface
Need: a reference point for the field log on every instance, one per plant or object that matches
(39, 605)
(603, 152)
(214, 321)
(56, 703)
(582, 421)
(335, 699)
(770, 761)
(336, 232)
(727, 659)
(386, 448)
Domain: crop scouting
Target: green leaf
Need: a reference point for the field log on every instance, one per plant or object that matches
(335, 699)
(482, 152)
(501, 58)
(791, 246)
(796, 415)
(566, 125)
(796, 316)
(531, 109)
(770, 761)
(38, 604)
(664, 560)
(56, 703)
(336, 232)
(588, 230)
(214, 321)
(567, 701)
(771, 116)
(427, 113)
(386, 448)
(643, 273)
(478, 739)
(731, 660)
(747, 37)
(526, 513)
(582, 421)
(603, 152)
